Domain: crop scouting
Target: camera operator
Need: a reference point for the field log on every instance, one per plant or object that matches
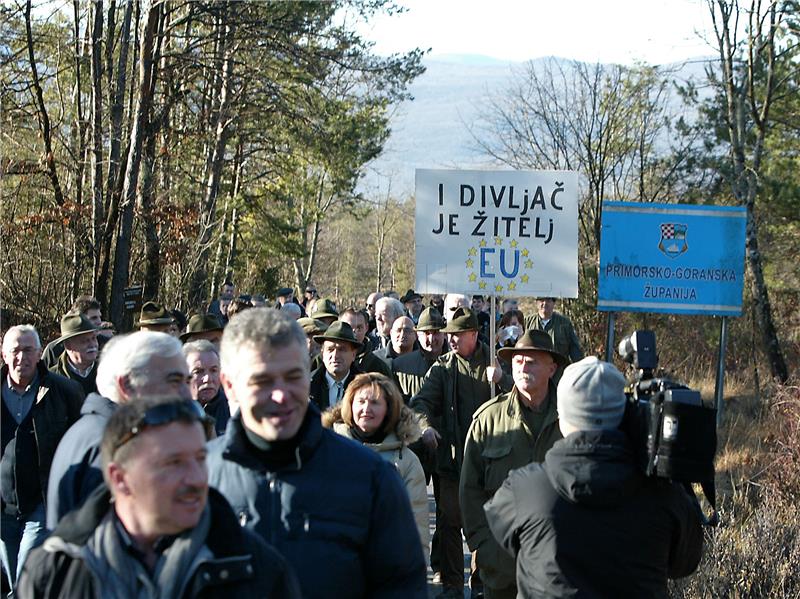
(587, 522)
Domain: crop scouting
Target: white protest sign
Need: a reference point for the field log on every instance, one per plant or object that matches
(510, 233)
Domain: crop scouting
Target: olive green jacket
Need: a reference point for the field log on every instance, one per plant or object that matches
(561, 331)
(499, 440)
(440, 402)
(409, 372)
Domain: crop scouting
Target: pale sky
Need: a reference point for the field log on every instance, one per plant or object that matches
(618, 31)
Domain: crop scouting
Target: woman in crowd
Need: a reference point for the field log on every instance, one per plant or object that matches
(510, 328)
(372, 412)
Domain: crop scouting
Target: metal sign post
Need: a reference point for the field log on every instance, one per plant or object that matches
(492, 325)
(719, 386)
(612, 318)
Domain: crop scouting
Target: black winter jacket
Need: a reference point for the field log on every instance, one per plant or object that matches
(57, 405)
(243, 564)
(339, 513)
(588, 524)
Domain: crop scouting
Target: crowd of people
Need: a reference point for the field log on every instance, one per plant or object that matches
(286, 451)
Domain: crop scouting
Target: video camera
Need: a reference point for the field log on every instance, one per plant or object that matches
(673, 433)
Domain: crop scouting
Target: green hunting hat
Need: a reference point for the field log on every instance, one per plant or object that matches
(74, 324)
(430, 320)
(339, 331)
(312, 326)
(463, 320)
(201, 323)
(325, 308)
(533, 340)
(153, 313)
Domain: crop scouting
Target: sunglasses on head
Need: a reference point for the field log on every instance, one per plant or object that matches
(164, 414)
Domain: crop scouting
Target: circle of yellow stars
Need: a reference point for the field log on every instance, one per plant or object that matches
(527, 264)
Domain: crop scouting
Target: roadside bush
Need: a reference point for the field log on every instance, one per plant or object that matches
(755, 553)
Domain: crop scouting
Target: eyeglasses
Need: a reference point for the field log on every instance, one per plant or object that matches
(164, 414)
(311, 291)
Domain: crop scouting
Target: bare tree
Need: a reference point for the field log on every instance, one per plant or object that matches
(750, 85)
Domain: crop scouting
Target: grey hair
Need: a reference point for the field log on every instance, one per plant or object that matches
(292, 309)
(24, 329)
(199, 346)
(260, 328)
(394, 308)
(130, 355)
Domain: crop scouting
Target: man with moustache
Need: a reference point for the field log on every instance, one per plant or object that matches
(509, 432)
(90, 308)
(202, 359)
(155, 529)
(79, 338)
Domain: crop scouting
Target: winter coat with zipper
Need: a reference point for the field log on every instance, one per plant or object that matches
(242, 565)
(56, 406)
(338, 513)
(499, 440)
(394, 449)
(588, 524)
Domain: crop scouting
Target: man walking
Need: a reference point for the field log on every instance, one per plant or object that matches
(132, 366)
(336, 510)
(509, 432)
(155, 529)
(37, 407)
(453, 389)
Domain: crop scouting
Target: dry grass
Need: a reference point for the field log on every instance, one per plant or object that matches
(755, 553)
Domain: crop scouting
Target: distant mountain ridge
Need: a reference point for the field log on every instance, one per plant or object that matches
(431, 131)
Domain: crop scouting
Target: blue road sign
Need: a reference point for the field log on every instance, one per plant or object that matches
(671, 258)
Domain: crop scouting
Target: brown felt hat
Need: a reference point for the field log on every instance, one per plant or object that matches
(201, 323)
(430, 320)
(533, 340)
(153, 313)
(74, 324)
(463, 320)
(339, 331)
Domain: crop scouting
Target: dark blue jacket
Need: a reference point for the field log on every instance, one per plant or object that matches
(76, 471)
(339, 514)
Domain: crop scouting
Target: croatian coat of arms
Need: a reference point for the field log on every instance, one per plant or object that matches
(673, 239)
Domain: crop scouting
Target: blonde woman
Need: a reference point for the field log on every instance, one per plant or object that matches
(372, 412)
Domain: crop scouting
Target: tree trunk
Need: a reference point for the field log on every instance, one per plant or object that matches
(152, 245)
(41, 114)
(98, 215)
(119, 277)
(747, 111)
(113, 180)
(198, 284)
